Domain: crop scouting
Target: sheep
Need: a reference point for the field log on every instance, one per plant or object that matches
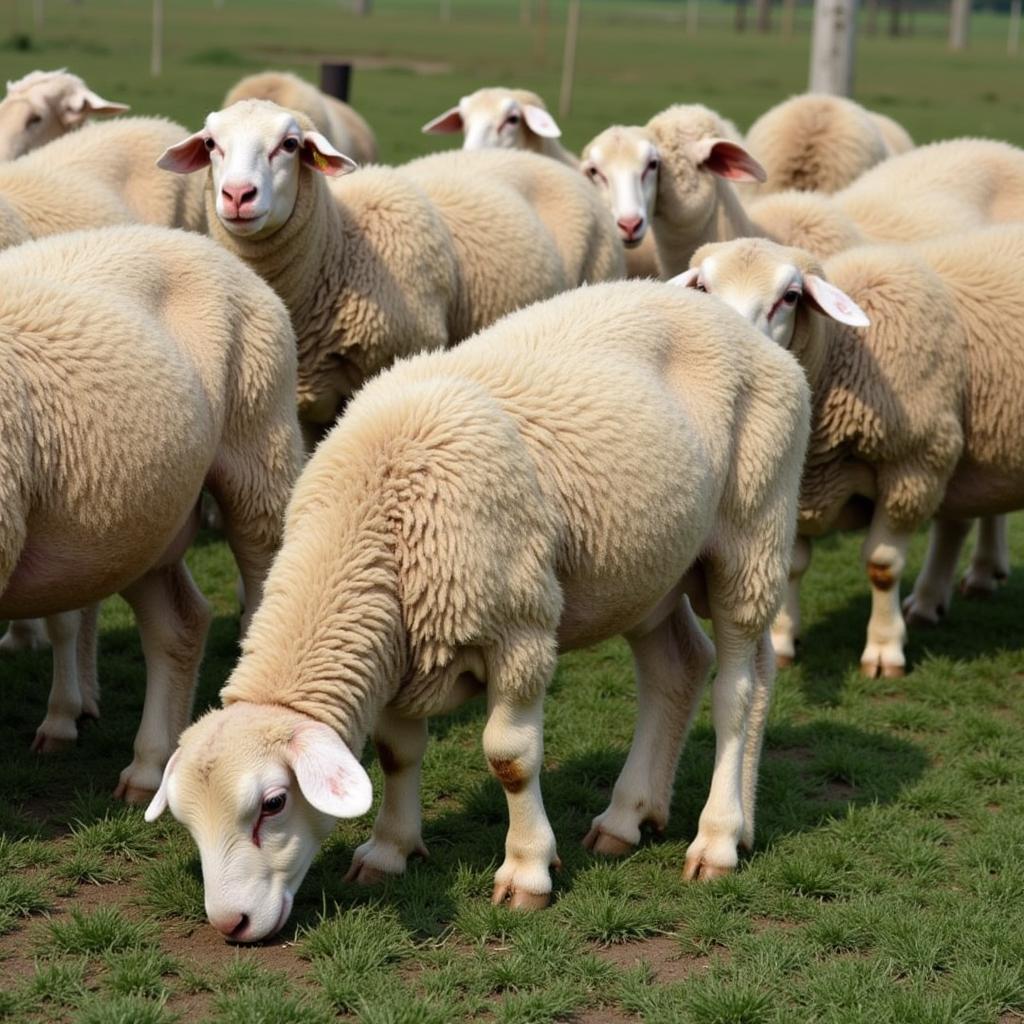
(340, 124)
(816, 142)
(501, 118)
(45, 105)
(389, 261)
(584, 468)
(100, 496)
(100, 175)
(918, 417)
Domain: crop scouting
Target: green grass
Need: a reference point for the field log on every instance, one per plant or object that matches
(887, 882)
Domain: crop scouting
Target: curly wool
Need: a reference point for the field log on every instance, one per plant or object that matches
(343, 126)
(541, 487)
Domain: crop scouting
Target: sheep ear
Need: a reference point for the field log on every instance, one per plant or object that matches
(330, 777)
(828, 299)
(687, 279)
(728, 160)
(540, 122)
(188, 156)
(319, 154)
(445, 124)
(158, 804)
(83, 103)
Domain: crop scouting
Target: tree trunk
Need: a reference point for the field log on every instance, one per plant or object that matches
(1013, 40)
(871, 17)
(156, 57)
(763, 9)
(362, 7)
(741, 15)
(833, 46)
(541, 40)
(895, 12)
(959, 23)
(572, 31)
(788, 18)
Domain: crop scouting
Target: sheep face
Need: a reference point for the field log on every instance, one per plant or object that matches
(768, 285)
(256, 151)
(259, 788)
(623, 163)
(45, 105)
(497, 119)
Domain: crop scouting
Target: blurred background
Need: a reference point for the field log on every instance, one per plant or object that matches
(412, 59)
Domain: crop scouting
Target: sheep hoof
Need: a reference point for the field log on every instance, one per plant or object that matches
(43, 744)
(698, 870)
(364, 874)
(783, 661)
(870, 669)
(893, 671)
(978, 590)
(519, 899)
(134, 795)
(605, 844)
(919, 620)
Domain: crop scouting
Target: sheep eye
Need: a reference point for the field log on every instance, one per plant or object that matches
(33, 120)
(791, 297)
(591, 172)
(210, 145)
(290, 145)
(653, 165)
(273, 805)
(512, 119)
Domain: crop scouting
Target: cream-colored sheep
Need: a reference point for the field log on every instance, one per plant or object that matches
(44, 105)
(341, 124)
(139, 365)
(820, 143)
(918, 416)
(102, 174)
(388, 262)
(501, 118)
(586, 467)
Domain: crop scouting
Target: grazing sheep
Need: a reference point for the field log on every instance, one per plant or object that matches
(585, 468)
(339, 123)
(503, 118)
(820, 143)
(389, 261)
(917, 417)
(139, 365)
(44, 105)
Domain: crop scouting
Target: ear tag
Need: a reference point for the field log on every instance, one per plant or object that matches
(320, 160)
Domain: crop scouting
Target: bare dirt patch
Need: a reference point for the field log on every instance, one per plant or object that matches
(662, 954)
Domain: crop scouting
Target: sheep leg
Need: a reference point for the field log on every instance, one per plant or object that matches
(929, 601)
(990, 564)
(173, 618)
(786, 627)
(514, 746)
(672, 664)
(885, 555)
(722, 826)
(88, 682)
(25, 635)
(400, 744)
(757, 720)
(59, 730)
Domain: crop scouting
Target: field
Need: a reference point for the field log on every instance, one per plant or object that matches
(887, 883)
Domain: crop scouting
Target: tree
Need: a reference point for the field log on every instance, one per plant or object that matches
(832, 46)
(959, 23)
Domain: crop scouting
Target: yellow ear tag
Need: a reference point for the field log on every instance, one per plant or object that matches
(320, 160)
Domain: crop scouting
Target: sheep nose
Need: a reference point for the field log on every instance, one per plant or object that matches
(629, 226)
(233, 926)
(237, 196)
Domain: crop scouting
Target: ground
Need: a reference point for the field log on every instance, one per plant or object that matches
(886, 883)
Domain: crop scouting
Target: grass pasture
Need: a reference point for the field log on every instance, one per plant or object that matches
(887, 884)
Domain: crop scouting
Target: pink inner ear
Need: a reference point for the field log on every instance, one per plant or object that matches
(319, 154)
(540, 122)
(188, 156)
(448, 122)
(834, 303)
(729, 160)
(687, 279)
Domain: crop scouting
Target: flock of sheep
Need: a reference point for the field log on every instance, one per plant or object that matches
(446, 441)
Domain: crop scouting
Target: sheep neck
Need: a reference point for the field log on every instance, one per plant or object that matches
(288, 259)
(678, 238)
(328, 641)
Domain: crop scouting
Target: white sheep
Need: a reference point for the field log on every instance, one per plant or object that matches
(338, 122)
(501, 118)
(916, 417)
(817, 142)
(388, 262)
(139, 365)
(44, 105)
(584, 468)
